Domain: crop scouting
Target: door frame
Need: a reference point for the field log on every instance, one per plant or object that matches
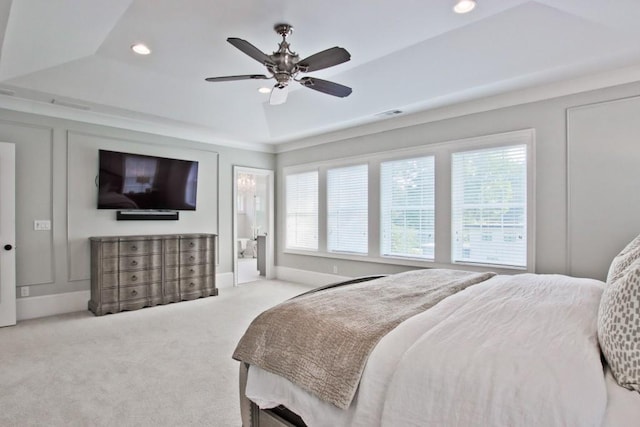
(7, 234)
(270, 233)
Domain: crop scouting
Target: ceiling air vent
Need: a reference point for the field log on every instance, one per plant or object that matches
(389, 113)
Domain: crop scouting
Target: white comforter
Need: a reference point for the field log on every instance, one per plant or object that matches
(512, 351)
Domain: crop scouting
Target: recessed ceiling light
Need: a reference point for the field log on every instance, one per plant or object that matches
(464, 6)
(141, 49)
(264, 89)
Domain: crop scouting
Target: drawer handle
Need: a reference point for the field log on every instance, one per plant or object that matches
(134, 248)
(192, 258)
(192, 271)
(191, 285)
(134, 293)
(134, 278)
(134, 262)
(191, 244)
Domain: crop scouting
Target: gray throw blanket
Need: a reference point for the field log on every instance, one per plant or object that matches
(320, 341)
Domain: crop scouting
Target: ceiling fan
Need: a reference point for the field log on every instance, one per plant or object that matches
(284, 65)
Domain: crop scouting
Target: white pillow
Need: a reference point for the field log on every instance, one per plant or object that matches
(623, 260)
(619, 326)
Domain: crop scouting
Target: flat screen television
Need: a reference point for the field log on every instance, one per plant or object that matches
(134, 181)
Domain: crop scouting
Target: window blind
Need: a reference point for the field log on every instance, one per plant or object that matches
(347, 209)
(408, 207)
(302, 210)
(489, 206)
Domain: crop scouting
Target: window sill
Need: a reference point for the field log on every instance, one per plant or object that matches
(411, 262)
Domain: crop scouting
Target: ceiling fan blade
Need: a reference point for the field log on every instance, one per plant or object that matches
(242, 77)
(278, 95)
(251, 50)
(325, 86)
(325, 59)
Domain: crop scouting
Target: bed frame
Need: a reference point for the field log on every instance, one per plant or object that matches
(252, 416)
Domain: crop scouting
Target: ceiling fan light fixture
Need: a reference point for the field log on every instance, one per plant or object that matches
(464, 6)
(141, 49)
(264, 89)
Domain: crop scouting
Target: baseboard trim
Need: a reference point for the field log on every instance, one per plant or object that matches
(70, 302)
(307, 277)
(50, 305)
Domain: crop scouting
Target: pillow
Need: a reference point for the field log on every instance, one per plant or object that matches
(624, 259)
(619, 326)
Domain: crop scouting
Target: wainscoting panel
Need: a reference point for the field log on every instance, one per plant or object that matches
(604, 203)
(34, 200)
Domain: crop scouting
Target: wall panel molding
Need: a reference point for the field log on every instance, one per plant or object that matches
(35, 254)
(85, 220)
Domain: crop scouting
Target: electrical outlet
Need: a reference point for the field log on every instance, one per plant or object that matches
(24, 291)
(335, 269)
(42, 225)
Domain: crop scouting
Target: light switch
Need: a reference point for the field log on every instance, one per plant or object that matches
(42, 225)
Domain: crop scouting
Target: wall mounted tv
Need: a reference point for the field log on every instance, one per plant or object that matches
(135, 181)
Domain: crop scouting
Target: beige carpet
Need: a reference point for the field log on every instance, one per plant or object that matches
(162, 366)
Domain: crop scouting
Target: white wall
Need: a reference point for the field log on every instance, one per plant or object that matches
(56, 166)
(549, 119)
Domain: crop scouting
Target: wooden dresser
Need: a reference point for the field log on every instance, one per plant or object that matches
(131, 272)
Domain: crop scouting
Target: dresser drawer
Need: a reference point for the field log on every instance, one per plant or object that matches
(140, 247)
(131, 263)
(140, 262)
(133, 292)
(194, 244)
(193, 258)
(187, 271)
(130, 278)
(194, 284)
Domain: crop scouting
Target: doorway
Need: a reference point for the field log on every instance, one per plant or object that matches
(253, 224)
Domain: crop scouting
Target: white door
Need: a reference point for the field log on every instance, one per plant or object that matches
(7, 235)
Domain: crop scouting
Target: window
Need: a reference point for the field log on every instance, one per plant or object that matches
(471, 198)
(489, 206)
(302, 210)
(347, 209)
(407, 202)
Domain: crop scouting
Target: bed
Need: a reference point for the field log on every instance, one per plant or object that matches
(480, 349)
